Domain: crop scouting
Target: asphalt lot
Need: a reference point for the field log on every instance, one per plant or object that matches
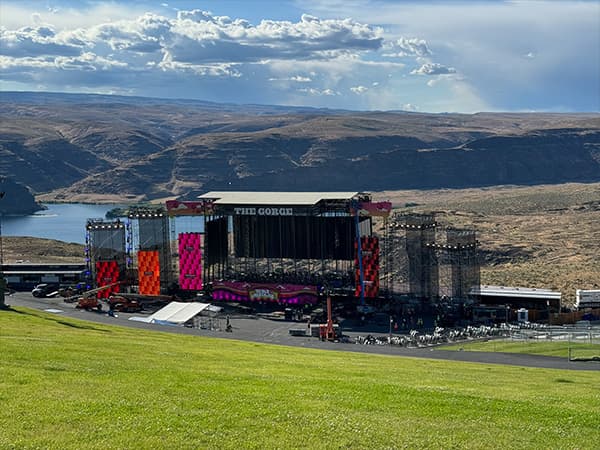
(275, 331)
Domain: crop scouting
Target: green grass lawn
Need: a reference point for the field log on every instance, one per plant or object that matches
(72, 384)
(532, 347)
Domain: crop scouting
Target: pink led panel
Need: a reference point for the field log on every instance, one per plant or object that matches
(190, 261)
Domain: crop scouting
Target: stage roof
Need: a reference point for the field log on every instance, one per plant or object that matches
(275, 198)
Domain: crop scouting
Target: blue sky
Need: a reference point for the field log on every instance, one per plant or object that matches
(429, 56)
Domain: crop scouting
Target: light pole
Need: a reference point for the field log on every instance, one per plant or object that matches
(2, 283)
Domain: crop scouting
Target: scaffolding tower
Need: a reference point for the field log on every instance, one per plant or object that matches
(427, 262)
(105, 253)
(414, 260)
(150, 231)
(459, 265)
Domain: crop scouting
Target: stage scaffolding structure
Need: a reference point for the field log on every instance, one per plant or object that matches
(149, 231)
(281, 238)
(428, 262)
(106, 253)
(303, 242)
(459, 265)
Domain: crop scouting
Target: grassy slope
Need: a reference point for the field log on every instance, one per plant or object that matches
(531, 347)
(71, 384)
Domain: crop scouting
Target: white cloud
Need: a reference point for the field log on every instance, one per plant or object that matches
(295, 78)
(195, 43)
(359, 89)
(301, 79)
(18, 14)
(433, 69)
(318, 92)
(33, 41)
(406, 47)
(200, 37)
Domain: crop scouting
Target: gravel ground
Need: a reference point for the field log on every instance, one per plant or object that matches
(276, 331)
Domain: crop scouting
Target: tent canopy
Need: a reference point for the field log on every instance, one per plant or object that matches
(178, 312)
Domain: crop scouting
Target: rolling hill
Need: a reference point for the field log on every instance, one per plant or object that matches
(75, 147)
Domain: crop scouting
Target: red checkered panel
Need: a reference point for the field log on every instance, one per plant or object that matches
(370, 264)
(107, 272)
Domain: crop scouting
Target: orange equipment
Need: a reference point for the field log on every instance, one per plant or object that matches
(89, 303)
(327, 332)
(124, 304)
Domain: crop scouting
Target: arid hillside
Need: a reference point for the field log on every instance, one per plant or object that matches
(35, 250)
(90, 147)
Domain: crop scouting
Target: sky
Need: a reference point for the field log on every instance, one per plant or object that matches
(423, 56)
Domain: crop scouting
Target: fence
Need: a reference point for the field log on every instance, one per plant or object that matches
(572, 317)
(209, 323)
(577, 343)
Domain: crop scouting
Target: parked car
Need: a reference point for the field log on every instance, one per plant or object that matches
(45, 290)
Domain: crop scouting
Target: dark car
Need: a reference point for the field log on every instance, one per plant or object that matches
(45, 290)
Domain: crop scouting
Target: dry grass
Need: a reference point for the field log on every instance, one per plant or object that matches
(36, 250)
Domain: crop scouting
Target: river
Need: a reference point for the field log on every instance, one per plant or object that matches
(61, 221)
(66, 222)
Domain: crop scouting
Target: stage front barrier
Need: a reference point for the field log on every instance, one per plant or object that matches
(289, 294)
(370, 264)
(190, 261)
(107, 272)
(149, 272)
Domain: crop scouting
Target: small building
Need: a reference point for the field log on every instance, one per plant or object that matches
(587, 298)
(24, 276)
(534, 299)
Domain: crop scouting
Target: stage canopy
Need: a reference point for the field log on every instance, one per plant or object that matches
(275, 198)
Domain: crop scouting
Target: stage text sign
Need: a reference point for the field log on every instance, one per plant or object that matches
(263, 211)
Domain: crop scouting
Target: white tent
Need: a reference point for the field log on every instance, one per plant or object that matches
(177, 313)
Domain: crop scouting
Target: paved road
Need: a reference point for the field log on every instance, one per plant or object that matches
(258, 329)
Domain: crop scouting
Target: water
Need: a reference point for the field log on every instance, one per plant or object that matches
(66, 222)
(63, 222)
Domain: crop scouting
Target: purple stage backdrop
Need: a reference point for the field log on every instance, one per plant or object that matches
(289, 294)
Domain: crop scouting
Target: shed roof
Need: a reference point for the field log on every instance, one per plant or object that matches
(520, 292)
